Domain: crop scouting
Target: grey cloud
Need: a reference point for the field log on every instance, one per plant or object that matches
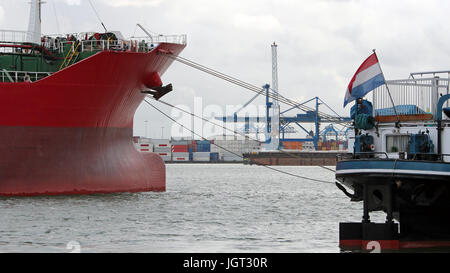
(321, 43)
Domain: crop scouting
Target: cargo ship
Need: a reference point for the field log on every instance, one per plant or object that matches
(67, 109)
(399, 163)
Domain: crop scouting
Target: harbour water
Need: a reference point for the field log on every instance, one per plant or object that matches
(206, 208)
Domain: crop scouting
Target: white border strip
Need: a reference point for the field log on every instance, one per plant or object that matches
(355, 171)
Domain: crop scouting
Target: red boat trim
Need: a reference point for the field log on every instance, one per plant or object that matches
(384, 244)
(350, 243)
(18, 46)
(393, 244)
(424, 244)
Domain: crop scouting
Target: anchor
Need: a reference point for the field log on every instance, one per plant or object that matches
(158, 92)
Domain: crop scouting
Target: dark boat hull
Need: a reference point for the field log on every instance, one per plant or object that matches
(415, 193)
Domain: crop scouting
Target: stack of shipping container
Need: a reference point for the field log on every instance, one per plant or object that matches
(292, 145)
(332, 145)
(221, 150)
(203, 152)
(180, 150)
(144, 145)
(232, 150)
(163, 148)
(197, 150)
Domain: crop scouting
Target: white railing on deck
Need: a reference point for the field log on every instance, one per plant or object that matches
(410, 96)
(13, 36)
(173, 39)
(22, 76)
(57, 42)
(157, 39)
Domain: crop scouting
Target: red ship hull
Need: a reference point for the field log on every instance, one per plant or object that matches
(71, 133)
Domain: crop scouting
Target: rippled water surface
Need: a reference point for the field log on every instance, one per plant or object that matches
(206, 208)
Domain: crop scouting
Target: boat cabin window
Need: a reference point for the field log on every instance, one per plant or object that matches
(397, 143)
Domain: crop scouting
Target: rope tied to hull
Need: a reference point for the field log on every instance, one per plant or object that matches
(203, 138)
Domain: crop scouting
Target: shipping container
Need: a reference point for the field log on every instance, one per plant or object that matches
(161, 143)
(145, 147)
(214, 157)
(180, 149)
(201, 156)
(232, 158)
(235, 146)
(192, 147)
(166, 156)
(204, 148)
(180, 156)
(162, 149)
(181, 142)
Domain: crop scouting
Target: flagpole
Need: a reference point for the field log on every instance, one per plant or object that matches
(389, 92)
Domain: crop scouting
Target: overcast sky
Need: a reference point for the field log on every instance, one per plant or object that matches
(321, 43)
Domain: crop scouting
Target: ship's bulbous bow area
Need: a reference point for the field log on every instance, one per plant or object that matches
(52, 161)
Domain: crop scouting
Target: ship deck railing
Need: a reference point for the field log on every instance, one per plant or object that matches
(396, 156)
(414, 99)
(14, 36)
(59, 43)
(135, 44)
(157, 39)
(22, 76)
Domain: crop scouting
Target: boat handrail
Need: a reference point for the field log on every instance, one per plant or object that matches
(22, 76)
(347, 156)
(15, 36)
(340, 157)
(85, 46)
(57, 42)
(412, 97)
(439, 157)
(157, 39)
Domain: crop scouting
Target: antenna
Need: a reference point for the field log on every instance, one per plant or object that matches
(275, 107)
(98, 17)
(34, 25)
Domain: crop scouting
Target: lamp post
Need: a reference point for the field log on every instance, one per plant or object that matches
(146, 127)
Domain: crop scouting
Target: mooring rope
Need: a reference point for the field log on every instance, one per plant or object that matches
(203, 138)
(223, 127)
(253, 88)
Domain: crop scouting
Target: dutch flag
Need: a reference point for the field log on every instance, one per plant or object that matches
(368, 77)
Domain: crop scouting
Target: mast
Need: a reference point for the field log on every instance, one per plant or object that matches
(275, 134)
(34, 25)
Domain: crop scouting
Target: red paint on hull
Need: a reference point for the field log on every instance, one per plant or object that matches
(393, 244)
(101, 91)
(71, 133)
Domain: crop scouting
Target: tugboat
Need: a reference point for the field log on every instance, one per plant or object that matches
(399, 163)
